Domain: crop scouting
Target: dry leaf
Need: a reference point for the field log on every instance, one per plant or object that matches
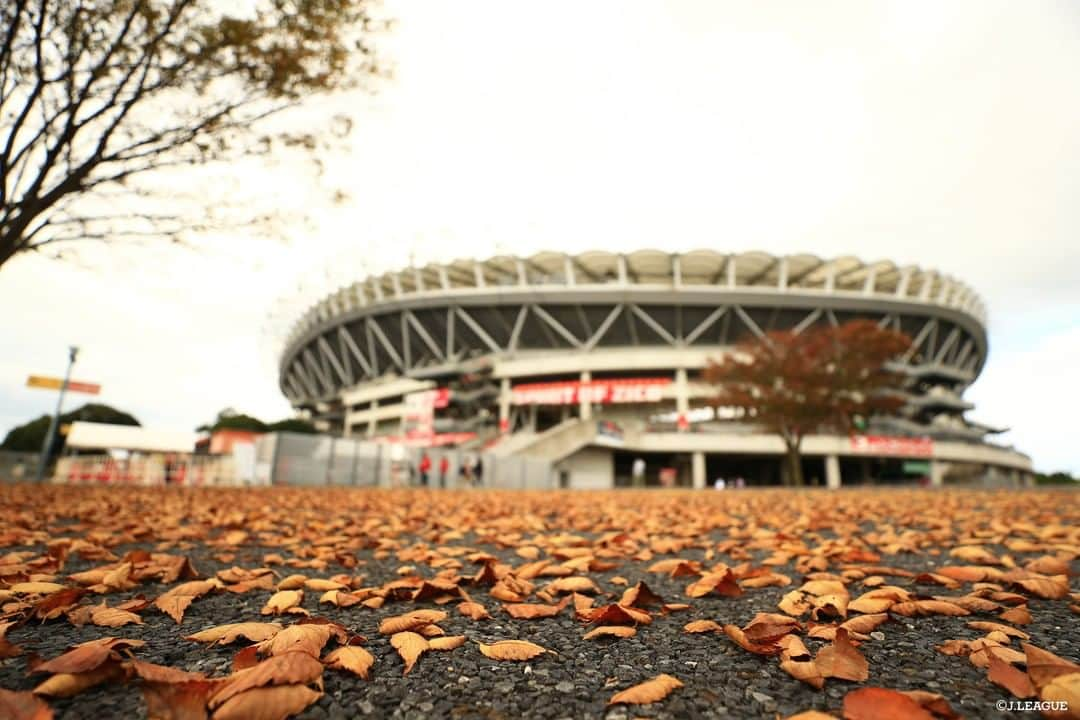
(176, 600)
(842, 660)
(450, 642)
(873, 703)
(267, 703)
(702, 626)
(23, 706)
(294, 668)
(410, 621)
(282, 601)
(622, 631)
(355, 659)
(228, 634)
(647, 692)
(410, 647)
(511, 650)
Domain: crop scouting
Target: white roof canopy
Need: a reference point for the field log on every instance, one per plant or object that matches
(101, 436)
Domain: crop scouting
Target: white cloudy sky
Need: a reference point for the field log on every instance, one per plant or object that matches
(938, 133)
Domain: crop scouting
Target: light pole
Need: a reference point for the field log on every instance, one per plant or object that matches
(73, 352)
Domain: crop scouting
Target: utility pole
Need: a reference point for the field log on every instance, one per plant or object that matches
(43, 462)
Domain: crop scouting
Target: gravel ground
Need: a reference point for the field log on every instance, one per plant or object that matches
(721, 680)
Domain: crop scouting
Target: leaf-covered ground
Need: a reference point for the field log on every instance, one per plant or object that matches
(339, 603)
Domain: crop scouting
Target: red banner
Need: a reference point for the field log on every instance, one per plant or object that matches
(892, 446)
(600, 392)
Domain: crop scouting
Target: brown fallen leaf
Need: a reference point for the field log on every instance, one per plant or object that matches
(622, 631)
(450, 642)
(87, 656)
(766, 628)
(718, 583)
(647, 692)
(410, 621)
(176, 600)
(934, 703)
(473, 610)
(805, 670)
(1064, 692)
(1016, 682)
(531, 611)
(67, 684)
(282, 601)
(702, 626)
(105, 616)
(23, 706)
(987, 626)
(874, 703)
(739, 637)
(229, 633)
(177, 700)
(293, 668)
(1017, 615)
(841, 660)
(308, 638)
(640, 596)
(511, 650)
(355, 659)
(410, 647)
(1043, 666)
(267, 703)
(918, 608)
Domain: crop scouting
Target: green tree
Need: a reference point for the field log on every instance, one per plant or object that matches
(229, 419)
(98, 97)
(823, 379)
(30, 436)
(293, 425)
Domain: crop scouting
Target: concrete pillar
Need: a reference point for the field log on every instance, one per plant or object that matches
(584, 406)
(832, 472)
(504, 405)
(372, 423)
(682, 399)
(937, 473)
(697, 470)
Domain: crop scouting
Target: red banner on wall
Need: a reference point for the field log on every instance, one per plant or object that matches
(600, 392)
(894, 446)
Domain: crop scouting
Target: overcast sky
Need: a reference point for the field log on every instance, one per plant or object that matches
(937, 133)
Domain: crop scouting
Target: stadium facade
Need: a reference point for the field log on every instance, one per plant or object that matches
(593, 362)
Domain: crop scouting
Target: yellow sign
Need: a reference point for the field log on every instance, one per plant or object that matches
(52, 383)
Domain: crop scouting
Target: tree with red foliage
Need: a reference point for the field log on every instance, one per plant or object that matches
(818, 380)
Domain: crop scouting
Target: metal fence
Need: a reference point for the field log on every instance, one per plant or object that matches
(17, 466)
(294, 459)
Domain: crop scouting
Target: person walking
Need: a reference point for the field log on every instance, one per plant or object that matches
(425, 468)
(637, 471)
(444, 468)
(478, 480)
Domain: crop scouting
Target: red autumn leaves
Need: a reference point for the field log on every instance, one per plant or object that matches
(840, 569)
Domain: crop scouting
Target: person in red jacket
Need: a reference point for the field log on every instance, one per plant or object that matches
(424, 468)
(444, 468)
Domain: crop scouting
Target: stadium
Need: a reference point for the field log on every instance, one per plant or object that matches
(592, 362)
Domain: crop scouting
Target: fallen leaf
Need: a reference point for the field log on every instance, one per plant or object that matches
(228, 634)
(267, 703)
(1016, 682)
(874, 703)
(450, 642)
(355, 659)
(23, 706)
(410, 647)
(622, 631)
(702, 626)
(841, 660)
(511, 650)
(647, 692)
(282, 601)
(176, 600)
(291, 668)
(410, 621)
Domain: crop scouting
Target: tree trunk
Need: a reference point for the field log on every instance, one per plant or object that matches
(794, 465)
